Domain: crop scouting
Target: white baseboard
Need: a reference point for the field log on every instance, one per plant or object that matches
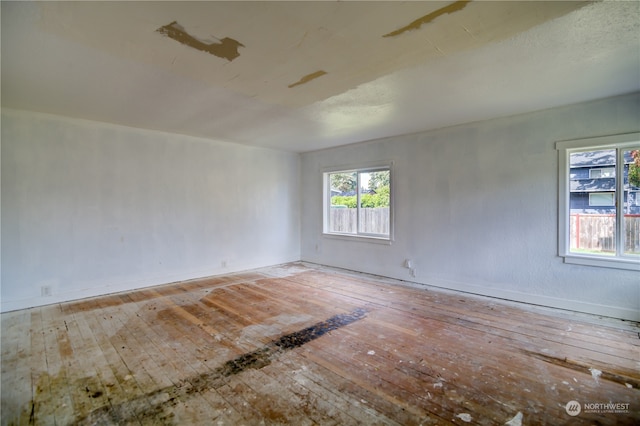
(616, 312)
(542, 300)
(106, 287)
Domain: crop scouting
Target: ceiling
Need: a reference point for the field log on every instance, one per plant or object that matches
(302, 76)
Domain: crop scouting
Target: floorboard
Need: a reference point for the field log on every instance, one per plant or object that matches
(300, 344)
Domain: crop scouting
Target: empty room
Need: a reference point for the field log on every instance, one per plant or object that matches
(320, 213)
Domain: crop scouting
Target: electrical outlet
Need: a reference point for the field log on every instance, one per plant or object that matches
(45, 291)
(223, 263)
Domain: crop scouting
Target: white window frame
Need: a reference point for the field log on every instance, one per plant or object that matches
(565, 148)
(359, 168)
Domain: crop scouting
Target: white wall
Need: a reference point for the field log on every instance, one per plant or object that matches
(91, 208)
(476, 209)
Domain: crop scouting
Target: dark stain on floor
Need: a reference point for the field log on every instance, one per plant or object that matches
(152, 405)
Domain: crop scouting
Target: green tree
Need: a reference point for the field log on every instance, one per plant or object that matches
(379, 179)
(384, 196)
(379, 184)
(634, 169)
(344, 182)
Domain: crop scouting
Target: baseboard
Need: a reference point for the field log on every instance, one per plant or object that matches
(542, 300)
(615, 312)
(107, 287)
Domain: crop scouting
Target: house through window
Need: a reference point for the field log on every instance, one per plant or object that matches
(599, 219)
(358, 202)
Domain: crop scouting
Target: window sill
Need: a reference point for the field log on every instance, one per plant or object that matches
(603, 262)
(359, 238)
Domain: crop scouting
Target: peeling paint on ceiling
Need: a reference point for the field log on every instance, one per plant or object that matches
(307, 78)
(226, 48)
(106, 61)
(287, 39)
(452, 8)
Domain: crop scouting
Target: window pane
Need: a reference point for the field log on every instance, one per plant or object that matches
(631, 224)
(592, 202)
(358, 202)
(602, 199)
(602, 173)
(342, 215)
(599, 206)
(374, 202)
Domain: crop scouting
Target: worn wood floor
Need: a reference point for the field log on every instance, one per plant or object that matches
(304, 345)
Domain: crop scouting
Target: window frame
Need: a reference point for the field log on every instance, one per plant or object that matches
(357, 168)
(600, 169)
(619, 142)
(612, 194)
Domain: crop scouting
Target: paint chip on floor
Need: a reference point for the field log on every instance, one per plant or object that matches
(372, 352)
(465, 417)
(595, 373)
(515, 421)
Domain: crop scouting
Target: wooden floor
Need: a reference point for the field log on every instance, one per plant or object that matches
(305, 345)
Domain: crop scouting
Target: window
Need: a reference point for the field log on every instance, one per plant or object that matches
(602, 199)
(605, 231)
(602, 173)
(357, 202)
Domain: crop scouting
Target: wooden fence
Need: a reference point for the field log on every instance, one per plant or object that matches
(589, 232)
(372, 220)
(596, 232)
